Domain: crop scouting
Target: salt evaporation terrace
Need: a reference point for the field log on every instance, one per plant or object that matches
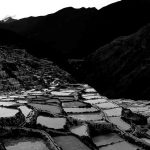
(72, 117)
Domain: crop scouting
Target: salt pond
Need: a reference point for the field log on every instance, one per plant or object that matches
(74, 104)
(81, 130)
(96, 101)
(107, 105)
(52, 109)
(25, 110)
(120, 123)
(87, 116)
(7, 103)
(80, 110)
(121, 146)
(6, 112)
(26, 143)
(70, 143)
(106, 139)
(113, 112)
(55, 123)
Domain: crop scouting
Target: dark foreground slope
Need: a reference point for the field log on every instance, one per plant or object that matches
(78, 32)
(121, 68)
(19, 70)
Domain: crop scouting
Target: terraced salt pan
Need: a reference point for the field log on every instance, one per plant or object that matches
(68, 91)
(7, 99)
(120, 123)
(35, 93)
(138, 109)
(90, 90)
(53, 101)
(107, 105)
(6, 112)
(146, 140)
(96, 101)
(65, 98)
(106, 139)
(55, 93)
(25, 144)
(13, 96)
(88, 116)
(80, 110)
(81, 130)
(146, 113)
(73, 104)
(7, 103)
(55, 123)
(121, 146)
(22, 101)
(91, 96)
(2, 96)
(53, 109)
(25, 110)
(70, 143)
(113, 112)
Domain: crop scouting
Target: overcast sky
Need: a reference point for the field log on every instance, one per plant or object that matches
(24, 8)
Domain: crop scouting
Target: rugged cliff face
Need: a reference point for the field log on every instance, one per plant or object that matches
(18, 70)
(121, 68)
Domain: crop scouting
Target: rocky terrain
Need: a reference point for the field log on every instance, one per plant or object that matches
(20, 70)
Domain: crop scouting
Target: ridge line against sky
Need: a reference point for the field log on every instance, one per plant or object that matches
(25, 8)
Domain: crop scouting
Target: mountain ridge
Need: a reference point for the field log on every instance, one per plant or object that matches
(75, 33)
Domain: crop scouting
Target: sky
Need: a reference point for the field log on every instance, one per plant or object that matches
(25, 8)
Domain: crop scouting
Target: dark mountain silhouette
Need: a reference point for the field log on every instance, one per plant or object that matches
(121, 68)
(76, 33)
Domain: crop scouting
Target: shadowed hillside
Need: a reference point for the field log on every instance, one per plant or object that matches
(121, 68)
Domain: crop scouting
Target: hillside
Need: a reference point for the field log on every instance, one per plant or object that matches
(121, 68)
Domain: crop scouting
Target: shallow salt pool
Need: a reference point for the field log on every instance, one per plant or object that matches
(52, 109)
(113, 112)
(87, 116)
(107, 105)
(26, 143)
(120, 123)
(55, 123)
(96, 101)
(146, 140)
(7, 103)
(6, 112)
(60, 93)
(121, 146)
(74, 104)
(70, 143)
(81, 130)
(80, 110)
(106, 139)
(25, 110)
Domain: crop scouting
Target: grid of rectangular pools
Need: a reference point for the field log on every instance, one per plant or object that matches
(72, 118)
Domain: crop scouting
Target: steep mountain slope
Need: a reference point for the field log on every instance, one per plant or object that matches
(19, 70)
(121, 68)
(78, 32)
